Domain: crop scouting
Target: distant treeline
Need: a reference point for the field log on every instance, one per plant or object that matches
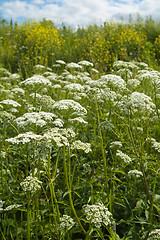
(31, 43)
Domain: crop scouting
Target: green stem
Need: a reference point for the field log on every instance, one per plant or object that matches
(69, 192)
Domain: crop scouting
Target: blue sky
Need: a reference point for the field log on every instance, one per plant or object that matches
(78, 12)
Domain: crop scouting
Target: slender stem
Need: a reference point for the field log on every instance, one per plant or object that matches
(69, 191)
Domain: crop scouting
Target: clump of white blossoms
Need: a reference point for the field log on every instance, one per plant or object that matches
(66, 223)
(123, 156)
(1, 205)
(155, 144)
(116, 144)
(10, 103)
(85, 63)
(141, 101)
(61, 62)
(24, 138)
(98, 214)
(31, 184)
(154, 235)
(133, 83)
(37, 118)
(74, 87)
(59, 136)
(135, 173)
(73, 65)
(120, 65)
(70, 105)
(36, 81)
(114, 81)
(86, 147)
(11, 207)
(78, 120)
(18, 91)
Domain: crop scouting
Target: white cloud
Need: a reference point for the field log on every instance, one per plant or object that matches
(78, 12)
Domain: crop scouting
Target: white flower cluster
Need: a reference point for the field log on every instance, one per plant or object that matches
(155, 144)
(66, 223)
(133, 83)
(86, 168)
(11, 207)
(135, 173)
(1, 205)
(70, 105)
(73, 65)
(31, 184)
(17, 91)
(85, 63)
(24, 138)
(78, 120)
(120, 65)
(36, 81)
(98, 214)
(74, 87)
(154, 235)
(142, 101)
(123, 156)
(113, 81)
(37, 118)
(86, 147)
(10, 102)
(116, 144)
(61, 62)
(59, 136)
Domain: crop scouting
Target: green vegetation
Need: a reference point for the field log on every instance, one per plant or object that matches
(80, 131)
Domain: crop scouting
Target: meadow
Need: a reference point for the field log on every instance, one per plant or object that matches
(80, 131)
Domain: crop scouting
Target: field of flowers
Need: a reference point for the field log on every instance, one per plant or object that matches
(79, 152)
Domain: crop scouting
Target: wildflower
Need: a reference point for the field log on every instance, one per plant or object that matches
(85, 63)
(11, 207)
(61, 62)
(114, 81)
(36, 81)
(58, 122)
(78, 120)
(37, 118)
(116, 144)
(69, 105)
(31, 184)
(155, 144)
(66, 223)
(98, 214)
(142, 101)
(74, 87)
(154, 235)
(24, 138)
(1, 205)
(11, 103)
(55, 136)
(135, 173)
(123, 156)
(86, 168)
(73, 65)
(17, 91)
(86, 147)
(133, 83)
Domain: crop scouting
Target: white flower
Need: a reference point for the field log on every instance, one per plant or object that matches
(154, 235)
(73, 65)
(116, 144)
(58, 122)
(57, 136)
(135, 173)
(37, 118)
(61, 62)
(113, 81)
(14, 206)
(86, 147)
(74, 87)
(133, 83)
(142, 101)
(36, 81)
(18, 91)
(123, 156)
(10, 102)
(31, 184)
(98, 214)
(78, 120)
(66, 223)
(24, 138)
(85, 63)
(69, 105)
